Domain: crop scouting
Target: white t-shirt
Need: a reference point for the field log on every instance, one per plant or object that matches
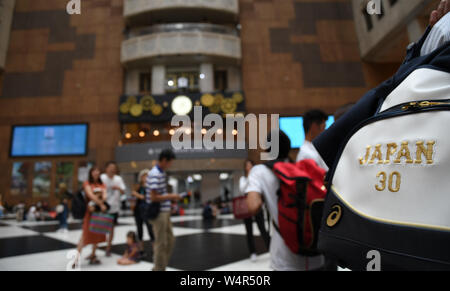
(31, 216)
(262, 180)
(308, 151)
(439, 34)
(113, 196)
(243, 182)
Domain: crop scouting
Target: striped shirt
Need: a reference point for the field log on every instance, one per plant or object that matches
(157, 180)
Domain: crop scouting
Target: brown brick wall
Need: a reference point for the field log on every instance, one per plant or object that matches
(63, 68)
(299, 55)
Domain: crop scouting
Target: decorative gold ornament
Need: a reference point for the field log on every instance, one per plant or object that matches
(165, 104)
(228, 106)
(147, 102)
(238, 98)
(132, 100)
(136, 110)
(157, 110)
(218, 99)
(214, 108)
(124, 108)
(207, 100)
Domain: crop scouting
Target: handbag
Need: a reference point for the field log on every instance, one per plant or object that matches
(240, 208)
(150, 211)
(101, 223)
(79, 205)
(389, 196)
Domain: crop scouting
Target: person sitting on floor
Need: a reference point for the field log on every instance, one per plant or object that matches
(131, 255)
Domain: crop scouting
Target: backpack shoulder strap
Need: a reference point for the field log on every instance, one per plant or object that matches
(271, 164)
(275, 226)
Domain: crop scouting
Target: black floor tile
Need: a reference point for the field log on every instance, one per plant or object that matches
(55, 227)
(198, 252)
(17, 246)
(208, 224)
(52, 227)
(120, 250)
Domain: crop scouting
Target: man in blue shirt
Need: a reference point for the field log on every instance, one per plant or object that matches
(156, 192)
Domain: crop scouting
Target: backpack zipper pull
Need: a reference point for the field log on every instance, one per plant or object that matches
(411, 105)
(423, 104)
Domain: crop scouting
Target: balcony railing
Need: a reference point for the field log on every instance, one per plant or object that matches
(136, 7)
(182, 27)
(181, 40)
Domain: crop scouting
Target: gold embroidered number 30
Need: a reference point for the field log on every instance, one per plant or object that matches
(389, 182)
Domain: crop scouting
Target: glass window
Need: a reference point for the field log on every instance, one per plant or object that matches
(42, 179)
(177, 81)
(19, 178)
(220, 80)
(64, 175)
(145, 83)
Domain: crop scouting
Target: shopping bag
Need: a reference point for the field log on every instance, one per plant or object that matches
(240, 208)
(101, 223)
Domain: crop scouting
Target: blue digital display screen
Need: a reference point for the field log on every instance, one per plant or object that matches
(49, 140)
(293, 127)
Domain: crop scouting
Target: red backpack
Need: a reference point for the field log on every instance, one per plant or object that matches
(300, 204)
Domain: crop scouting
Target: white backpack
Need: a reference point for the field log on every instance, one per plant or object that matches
(389, 200)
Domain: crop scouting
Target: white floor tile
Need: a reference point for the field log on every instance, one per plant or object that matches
(185, 218)
(180, 231)
(236, 229)
(59, 261)
(120, 234)
(14, 231)
(262, 263)
(73, 236)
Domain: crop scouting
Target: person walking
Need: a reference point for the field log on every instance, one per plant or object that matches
(314, 122)
(139, 215)
(262, 182)
(2, 209)
(259, 217)
(63, 208)
(115, 187)
(156, 192)
(95, 193)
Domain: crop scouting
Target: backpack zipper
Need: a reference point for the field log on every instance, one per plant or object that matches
(423, 104)
(399, 110)
(414, 105)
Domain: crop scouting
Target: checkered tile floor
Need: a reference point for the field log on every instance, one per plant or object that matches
(218, 245)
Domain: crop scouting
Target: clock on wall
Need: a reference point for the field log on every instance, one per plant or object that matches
(182, 105)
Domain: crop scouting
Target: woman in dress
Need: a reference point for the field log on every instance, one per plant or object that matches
(95, 193)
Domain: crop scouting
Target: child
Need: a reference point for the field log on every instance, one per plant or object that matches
(132, 253)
